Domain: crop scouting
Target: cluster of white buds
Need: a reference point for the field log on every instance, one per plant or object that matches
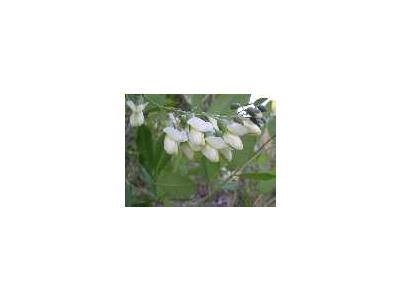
(137, 117)
(204, 136)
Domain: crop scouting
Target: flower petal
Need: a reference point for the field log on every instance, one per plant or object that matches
(216, 142)
(175, 134)
(233, 140)
(251, 127)
(201, 125)
(131, 105)
(170, 145)
(136, 119)
(142, 106)
(237, 129)
(227, 153)
(196, 137)
(211, 154)
(194, 147)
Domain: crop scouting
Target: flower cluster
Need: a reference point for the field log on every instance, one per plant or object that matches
(207, 137)
(206, 134)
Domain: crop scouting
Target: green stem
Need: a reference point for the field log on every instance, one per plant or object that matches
(254, 156)
(172, 109)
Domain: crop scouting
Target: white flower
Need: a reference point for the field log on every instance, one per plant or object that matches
(196, 137)
(251, 127)
(187, 151)
(197, 129)
(170, 145)
(175, 134)
(237, 129)
(137, 117)
(233, 140)
(227, 153)
(216, 142)
(194, 147)
(200, 125)
(172, 138)
(211, 153)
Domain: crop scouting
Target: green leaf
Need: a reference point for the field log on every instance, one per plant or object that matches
(209, 170)
(161, 158)
(144, 142)
(175, 186)
(131, 199)
(196, 101)
(267, 186)
(222, 103)
(258, 176)
(160, 99)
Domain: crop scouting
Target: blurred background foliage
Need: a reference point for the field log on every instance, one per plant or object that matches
(154, 178)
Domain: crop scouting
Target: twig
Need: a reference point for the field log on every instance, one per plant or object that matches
(254, 156)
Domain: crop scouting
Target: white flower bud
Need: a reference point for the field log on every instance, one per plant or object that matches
(170, 145)
(251, 127)
(200, 125)
(227, 153)
(196, 137)
(136, 119)
(211, 154)
(233, 140)
(237, 129)
(216, 142)
(187, 151)
(194, 147)
(175, 134)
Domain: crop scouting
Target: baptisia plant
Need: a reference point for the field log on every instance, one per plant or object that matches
(214, 136)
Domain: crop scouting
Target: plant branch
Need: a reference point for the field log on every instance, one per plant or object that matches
(254, 156)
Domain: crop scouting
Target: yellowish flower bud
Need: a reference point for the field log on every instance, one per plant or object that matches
(233, 140)
(196, 137)
(170, 145)
(211, 153)
(227, 153)
(251, 127)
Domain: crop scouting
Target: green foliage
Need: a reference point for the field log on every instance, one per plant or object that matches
(222, 103)
(258, 176)
(132, 199)
(267, 186)
(144, 143)
(209, 170)
(175, 186)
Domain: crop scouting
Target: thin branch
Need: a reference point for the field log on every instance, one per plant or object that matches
(254, 156)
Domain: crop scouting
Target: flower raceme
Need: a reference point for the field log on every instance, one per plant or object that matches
(198, 136)
(212, 137)
(137, 117)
